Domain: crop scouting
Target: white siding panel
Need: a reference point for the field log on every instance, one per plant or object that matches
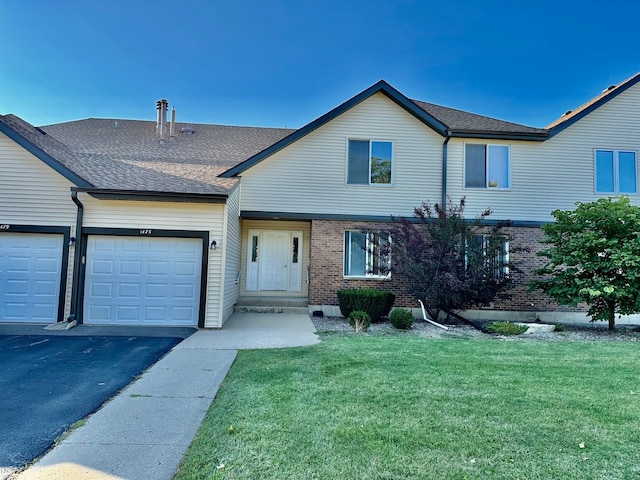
(231, 249)
(167, 216)
(32, 193)
(557, 173)
(309, 175)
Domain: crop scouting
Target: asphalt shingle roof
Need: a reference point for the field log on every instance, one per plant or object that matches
(460, 121)
(128, 154)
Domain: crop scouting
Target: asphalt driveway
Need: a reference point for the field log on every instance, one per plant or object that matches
(49, 382)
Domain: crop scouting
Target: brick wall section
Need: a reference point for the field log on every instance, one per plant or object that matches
(326, 265)
(326, 268)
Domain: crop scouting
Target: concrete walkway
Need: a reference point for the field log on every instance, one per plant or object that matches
(144, 431)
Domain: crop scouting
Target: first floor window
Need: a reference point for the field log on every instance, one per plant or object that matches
(616, 171)
(369, 162)
(486, 166)
(489, 252)
(366, 254)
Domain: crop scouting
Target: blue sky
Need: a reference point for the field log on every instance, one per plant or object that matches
(282, 63)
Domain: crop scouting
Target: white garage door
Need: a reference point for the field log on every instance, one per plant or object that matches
(142, 280)
(30, 272)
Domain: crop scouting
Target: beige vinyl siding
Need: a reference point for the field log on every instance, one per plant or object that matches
(557, 173)
(303, 227)
(231, 249)
(310, 175)
(167, 216)
(33, 193)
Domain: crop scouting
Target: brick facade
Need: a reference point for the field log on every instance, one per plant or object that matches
(327, 257)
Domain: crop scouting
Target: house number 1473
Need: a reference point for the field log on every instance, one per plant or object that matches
(145, 232)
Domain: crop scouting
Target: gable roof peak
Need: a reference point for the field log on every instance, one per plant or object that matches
(571, 116)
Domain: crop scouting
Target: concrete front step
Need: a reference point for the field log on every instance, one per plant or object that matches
(270, 309)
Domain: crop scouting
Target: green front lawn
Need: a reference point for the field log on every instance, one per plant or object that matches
(400, 407)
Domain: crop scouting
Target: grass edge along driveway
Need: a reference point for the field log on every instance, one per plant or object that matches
(375, 407)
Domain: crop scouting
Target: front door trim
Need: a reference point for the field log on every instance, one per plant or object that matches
(257, 278)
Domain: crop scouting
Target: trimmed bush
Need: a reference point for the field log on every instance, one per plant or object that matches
(401, 318)
(507, 328)
(376, 303)
(359, 320)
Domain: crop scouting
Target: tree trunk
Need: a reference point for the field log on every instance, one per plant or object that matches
(612, 317)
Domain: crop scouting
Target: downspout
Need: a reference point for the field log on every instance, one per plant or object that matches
(77, 259)
(444, 170)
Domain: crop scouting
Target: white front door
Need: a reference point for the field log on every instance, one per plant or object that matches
(274, 265)
(274, 260)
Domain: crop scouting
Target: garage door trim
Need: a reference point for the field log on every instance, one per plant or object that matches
(50, 230)
(144, 232)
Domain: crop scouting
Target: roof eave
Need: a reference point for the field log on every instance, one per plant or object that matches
(525, 136)
(149, 195)
(43, 156)
(380, 87)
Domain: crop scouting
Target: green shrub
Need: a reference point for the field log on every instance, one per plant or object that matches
(376, 303)
(559, 328)
(359, 320)
(507, 328)
(401, 318)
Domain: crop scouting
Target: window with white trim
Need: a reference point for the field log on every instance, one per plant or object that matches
(369, 162)
(616, 171)
(493, 252)
(487, 166)
(366, 254)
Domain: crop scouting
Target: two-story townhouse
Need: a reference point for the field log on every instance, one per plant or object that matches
(156, 222)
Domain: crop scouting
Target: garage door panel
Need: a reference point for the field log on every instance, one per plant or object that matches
(17, 288)
(45, 288)
(159, 268)
(129, 290)
(186, 268)
(157, 290)
(104, 244)
(102, 267)
(127, 314)
(156, 281)
(16, 264)
(183, 315)
(30, 276)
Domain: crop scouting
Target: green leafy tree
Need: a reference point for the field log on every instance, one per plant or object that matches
(594, 258)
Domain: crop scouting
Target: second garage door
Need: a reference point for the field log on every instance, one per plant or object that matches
(30, 276)
(142, 280)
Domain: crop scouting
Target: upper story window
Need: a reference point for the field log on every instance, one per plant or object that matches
(487, 166)
(616, 172)
(370, 162)
(366, 254)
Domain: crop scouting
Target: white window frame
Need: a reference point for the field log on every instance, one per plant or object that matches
(505, 259)
(616, 170)
(487, 180)
(371, 141)
(369, 256)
